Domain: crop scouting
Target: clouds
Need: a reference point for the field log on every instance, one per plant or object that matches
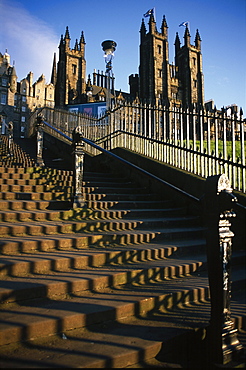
(30, 42)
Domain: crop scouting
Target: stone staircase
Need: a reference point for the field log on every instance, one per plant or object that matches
(122, 283)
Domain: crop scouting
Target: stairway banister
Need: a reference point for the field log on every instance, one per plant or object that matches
(173, 187)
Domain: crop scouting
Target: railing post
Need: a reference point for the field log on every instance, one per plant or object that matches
(78, 152)
(222, 342)
(10, 138)
(40, 139)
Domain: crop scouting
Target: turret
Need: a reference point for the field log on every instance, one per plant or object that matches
(143, 30)
(152, 25)
(164, 27)
(67, 39)
(76, 46)
(53, 73)
(198, 40)
(187, 36)
(13, 80)
(82, 43)
(177, 43)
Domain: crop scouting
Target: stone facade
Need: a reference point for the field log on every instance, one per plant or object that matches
(20, 99)
(160, 82)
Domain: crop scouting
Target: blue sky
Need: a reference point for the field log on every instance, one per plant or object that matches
(31, 31)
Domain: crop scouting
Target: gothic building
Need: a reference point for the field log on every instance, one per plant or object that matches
(160, 82)
(70, 79)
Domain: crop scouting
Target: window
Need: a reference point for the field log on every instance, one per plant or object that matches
(159, 73)
(23, 109)
(195, 83)
(159, 49)
(74, 68)
(4, 81)
(194, 61)
(23, 119)
(3, 98)
(23, 98)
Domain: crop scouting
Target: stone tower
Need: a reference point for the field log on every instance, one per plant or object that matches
(188, 60)
(71, 72)
(160, 82)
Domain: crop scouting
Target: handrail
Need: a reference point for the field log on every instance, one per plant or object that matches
(187, 195)
(191, 197)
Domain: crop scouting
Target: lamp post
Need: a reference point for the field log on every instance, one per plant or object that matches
(108, 47)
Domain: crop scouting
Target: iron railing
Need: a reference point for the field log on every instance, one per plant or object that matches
(202, 142)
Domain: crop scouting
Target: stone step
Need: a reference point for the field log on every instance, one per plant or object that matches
(99, 303)
(57, 284)
(55, 195)
(37, 171)
(34, 188)
(165, 228)
(146, 341)
(22, 263)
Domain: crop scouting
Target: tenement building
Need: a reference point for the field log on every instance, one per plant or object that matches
(20, 99)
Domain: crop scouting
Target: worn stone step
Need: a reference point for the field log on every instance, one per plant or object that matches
(63, 260)
(36, 182)
(42, 214)
(34, 319)
(28, 176)
(34, 188)
(57, 284)
(10, 245)
(55, 195)
(22, 205)
(65, 227)
(166, 339)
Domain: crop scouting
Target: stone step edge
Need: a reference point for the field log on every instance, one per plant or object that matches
(59, 323)
(27, 244)
(62, 260)
(49, 326)
(58, 285)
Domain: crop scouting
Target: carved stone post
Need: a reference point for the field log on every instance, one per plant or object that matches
(78, 197)
(10, 138)
(222, 342)
(40, 139)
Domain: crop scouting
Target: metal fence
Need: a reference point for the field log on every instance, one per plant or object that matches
(203, 142)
